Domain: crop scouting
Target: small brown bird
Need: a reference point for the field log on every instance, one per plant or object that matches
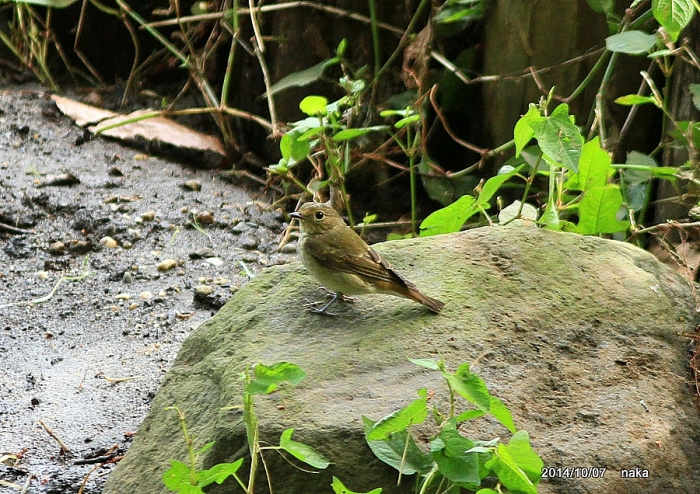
(344, 263)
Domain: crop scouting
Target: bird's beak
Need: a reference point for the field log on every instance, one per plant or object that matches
(295, 214)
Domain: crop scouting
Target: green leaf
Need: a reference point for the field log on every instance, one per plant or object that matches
(301, 127)
(448, 451)
(606, 6)
(407, 121)
(635, 99)
(508, 472)
(598, 211)
(441, 188)
(695, 91)
(449, 219)
(593, 167)
(502, 414)
(673, 15)
(293, 149)
(550, 217)
(402, 419)
(631, 42)
(301, 78)
(347, 134)
(206, 447)
(460, 11)
(313, 105)
(301, 451)
(177, 476)
(268, 378)
(339, 488)
(522, 453)
(426, 362)
(218, 473)
(635, 181)
(470, 386)
(469, 415)
(398, 236)
(523, 132)
(493, 184)
(391, 452)
(559, 139)
(528, 215)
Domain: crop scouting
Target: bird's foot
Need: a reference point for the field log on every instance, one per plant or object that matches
(314, 306)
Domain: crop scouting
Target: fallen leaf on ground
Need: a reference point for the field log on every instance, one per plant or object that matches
(154, 128)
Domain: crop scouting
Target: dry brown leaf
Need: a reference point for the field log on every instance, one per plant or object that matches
(152, 129)
(80, 112)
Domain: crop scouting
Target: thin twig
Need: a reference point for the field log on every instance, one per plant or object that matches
(447, 127)
(281, 6)
(64, 449)
(13, 229)
(115, 380)
(25, 487)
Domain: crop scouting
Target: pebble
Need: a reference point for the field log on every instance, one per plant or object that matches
(123, 296)
(240, 227)
(80, 247)
(290, 248)
(148, 216)
(108, 242)
(145, 295)
(202, 291)
(42, 275)
(248, 243)
(249, 257)
(166, 265)
(205, 218)
(193, 185)
(202, 253)
(214, 261)
(127, 245)
(57, 248)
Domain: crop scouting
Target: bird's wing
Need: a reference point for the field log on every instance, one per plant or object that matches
(358, 259)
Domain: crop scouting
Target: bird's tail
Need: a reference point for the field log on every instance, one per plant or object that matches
(431, 303)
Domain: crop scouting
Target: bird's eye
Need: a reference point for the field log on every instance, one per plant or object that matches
(319, 215)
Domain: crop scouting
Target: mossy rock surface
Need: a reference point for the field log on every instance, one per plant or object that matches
(579, 337)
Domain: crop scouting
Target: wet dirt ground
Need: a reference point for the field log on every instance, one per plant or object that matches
(81, 359)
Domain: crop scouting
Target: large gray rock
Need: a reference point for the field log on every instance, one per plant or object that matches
(579, 336)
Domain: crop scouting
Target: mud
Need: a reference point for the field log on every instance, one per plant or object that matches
(78, 369)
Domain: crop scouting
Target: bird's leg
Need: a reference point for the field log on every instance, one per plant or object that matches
(311, 306)
(342, 296)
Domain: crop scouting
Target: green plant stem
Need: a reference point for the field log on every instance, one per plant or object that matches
(586, 80)
(188, 443)
(412, 179)
(226, 85)
(402, 43)
(252, 433)
(429, 479)
(529, 182)
(375, 35)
